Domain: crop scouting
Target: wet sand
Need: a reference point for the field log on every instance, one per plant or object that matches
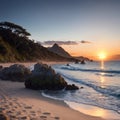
(19, 103)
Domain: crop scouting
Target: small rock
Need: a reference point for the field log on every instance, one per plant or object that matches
(81, 87)
(46, 113)
(43, 116)
(28, 107)
(71, 87)
(24, 117)
(57, 118)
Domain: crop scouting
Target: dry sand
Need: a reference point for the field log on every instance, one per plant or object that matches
(19, 103)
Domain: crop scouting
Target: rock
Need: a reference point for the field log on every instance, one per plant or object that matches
(44, 77)
(1, 67)
(45, 81)
(67, 64)
(82, 62)
(15, 72)
(76, 61)
(81, 87)
(40, 68)
(71, 87)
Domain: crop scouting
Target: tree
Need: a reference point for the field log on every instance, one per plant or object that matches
(20, 31)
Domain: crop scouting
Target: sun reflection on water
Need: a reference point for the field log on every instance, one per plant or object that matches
(93, 110)
(102, 65)
(98, 112)
(102, 80)
(102, 77)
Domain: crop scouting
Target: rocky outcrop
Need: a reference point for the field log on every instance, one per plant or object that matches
(41, 78)
(44, 77)
(71, 87)
(15, 72)
(82, 62)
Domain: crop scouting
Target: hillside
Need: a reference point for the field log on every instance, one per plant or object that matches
(59, 50)
(16, 46)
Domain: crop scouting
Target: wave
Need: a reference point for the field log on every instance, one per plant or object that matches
(89, 70)
(94, 93)
(108, 90)
(70, 97)
(49, 96)
(112, 91)
(105, 74)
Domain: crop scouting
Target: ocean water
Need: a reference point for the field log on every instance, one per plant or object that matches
(99, 84)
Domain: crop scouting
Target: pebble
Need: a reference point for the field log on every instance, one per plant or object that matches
(43, 116)
(57, 118)
(46, 113)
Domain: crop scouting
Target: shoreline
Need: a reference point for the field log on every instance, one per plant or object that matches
(87, 108)
(96, 110)
(34, 100)
(48, 109)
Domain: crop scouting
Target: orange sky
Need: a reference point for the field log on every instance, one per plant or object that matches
(92, 50)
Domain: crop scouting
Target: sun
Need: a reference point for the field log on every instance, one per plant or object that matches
(102, 55)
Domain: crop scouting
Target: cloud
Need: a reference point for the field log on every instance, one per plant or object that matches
(85, 41)
(115, 57)
(51, 42)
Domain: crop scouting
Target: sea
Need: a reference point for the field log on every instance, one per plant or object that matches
(99, 88)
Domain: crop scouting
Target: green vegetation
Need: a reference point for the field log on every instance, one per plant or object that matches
(7, 52)
(16, 46)
(20, 31)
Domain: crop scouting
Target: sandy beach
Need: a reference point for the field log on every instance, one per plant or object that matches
(19, 103)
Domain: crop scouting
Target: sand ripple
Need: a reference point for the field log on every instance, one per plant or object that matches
(11, 108)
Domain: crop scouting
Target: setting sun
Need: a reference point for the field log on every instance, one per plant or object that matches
(102, 55)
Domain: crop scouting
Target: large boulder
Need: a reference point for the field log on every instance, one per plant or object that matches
(40, 68)
(15, 72)
(42, 82)
(44, 77)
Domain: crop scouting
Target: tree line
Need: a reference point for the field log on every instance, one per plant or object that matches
(14, 28)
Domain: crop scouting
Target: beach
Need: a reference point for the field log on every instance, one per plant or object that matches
(60, 60)
(20, 103)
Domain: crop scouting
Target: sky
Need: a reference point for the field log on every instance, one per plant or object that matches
(82, 27)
